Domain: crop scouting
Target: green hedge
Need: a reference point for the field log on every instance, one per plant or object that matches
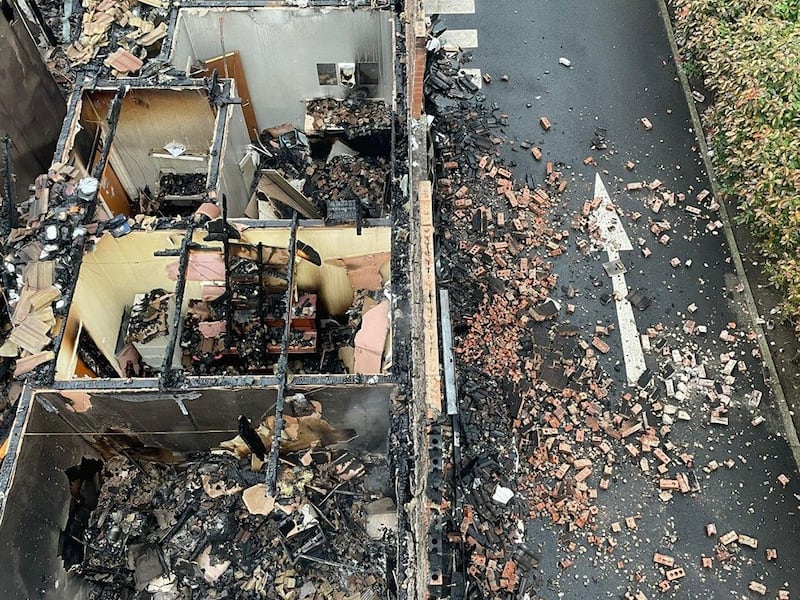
(748, 54)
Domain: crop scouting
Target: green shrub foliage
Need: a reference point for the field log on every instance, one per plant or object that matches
(748, 54)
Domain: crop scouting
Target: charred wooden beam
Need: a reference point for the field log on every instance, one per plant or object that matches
(10, 218)
(283, 364)
(112, 119)
(180, 289)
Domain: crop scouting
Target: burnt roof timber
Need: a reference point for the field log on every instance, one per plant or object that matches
(72, 107)
(112, 119)
(271, 477)
(202, 382)
(180, 289)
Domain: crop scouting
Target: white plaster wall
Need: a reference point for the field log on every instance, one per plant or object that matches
(231, 182)
(280, 49)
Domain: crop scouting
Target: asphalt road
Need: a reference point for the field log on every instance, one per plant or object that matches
(622, 70)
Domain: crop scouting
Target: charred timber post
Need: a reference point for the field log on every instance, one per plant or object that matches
(180, 289)
(217, 92)
(226, 257)
(112, 119)
(66, 128)
(272, 465)
(10, 217)
(261, 310)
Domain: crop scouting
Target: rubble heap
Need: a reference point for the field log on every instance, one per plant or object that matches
(361, 179)
(40, 259)
(133, 30)
(208, 529)
(149, 316)
(356, 117)
(545, 429)
(185, 532)
(202, 347)
(356, 181)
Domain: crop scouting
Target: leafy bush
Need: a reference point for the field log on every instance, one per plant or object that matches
(748, 53)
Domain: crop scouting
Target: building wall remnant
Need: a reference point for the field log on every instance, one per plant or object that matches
(32, 108)
(281, 49)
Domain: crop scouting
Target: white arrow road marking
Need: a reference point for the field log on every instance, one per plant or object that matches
(451, 7)
(614, 239)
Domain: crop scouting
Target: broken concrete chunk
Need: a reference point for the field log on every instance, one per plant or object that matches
(729, 537)
(502, 495)
(758, 588)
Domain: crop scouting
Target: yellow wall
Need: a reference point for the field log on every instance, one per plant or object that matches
(119, 268)
(330, 282)
(109, 278)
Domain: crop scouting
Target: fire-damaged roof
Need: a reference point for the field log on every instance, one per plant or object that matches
(207, 312)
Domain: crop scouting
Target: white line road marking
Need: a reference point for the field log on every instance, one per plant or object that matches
(475, 76)
(463, 38)
(451, 7)
(614, 239)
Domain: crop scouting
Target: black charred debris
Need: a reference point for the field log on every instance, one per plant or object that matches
(521, 373)
(145, 529)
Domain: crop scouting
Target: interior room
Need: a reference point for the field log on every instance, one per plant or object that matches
(316, 89)
(150, 429)
(122, 314)
(283, 56)
(122, 318)
(160, 155)
(340, 317)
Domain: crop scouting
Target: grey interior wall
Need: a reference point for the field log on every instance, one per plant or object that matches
(32, 108)
(280, 49)
(36, 512)
(158, 419)
(231, 181)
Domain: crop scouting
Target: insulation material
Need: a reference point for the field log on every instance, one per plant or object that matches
(371, 339)
(203, 266)
(363, 271)
(212, 329)
(77, 400)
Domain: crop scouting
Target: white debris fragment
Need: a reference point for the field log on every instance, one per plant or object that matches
(502, 495)
(564, 61)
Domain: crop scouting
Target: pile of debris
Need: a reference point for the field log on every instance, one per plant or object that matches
(544, 429)
(355, 117)
(344, 187)
(207, 527)
(360, 179)
(40, 257)
(149, 316)
(133, 29)
(202, 336)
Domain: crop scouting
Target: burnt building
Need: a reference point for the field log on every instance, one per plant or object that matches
(217, 322)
